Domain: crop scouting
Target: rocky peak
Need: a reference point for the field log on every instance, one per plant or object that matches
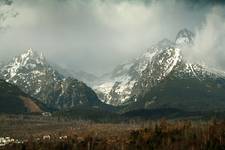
(161, 61)
(31, 56)
(184, 37)
(30, 60)
(29, 53)
(35, 76)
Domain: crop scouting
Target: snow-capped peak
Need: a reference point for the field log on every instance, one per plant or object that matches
(28, 60)
(32, 54)
(149, 68)
(164, 59)
(30, 57)
(184, 37)
(30, 51)
(35, 76)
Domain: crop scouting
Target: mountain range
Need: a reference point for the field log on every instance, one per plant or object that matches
(162, 77)
(159, 79)
(35, 76)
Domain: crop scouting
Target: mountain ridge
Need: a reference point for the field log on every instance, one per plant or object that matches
(35, 76)
(159, 62)
(14, 101)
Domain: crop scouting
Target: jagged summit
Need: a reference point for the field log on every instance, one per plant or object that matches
(184, 37)
(151, 68)
(35, 76)
(29, 60)
(32, 55)
(30, 51)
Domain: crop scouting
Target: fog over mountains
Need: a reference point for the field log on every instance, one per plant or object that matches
(118, 55)
(130, 82)
(95, 36)
(112, 74)
(159, 78)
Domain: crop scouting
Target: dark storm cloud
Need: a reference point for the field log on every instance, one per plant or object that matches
(95, 35)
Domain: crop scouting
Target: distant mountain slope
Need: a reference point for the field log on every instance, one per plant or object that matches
(87, 78)
(14, 101)
(36, 77)
(115, 87)
(162, 77)
(189, 94)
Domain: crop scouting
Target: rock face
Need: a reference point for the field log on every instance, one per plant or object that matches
(132, 83)
(116, 87)
(35, 76)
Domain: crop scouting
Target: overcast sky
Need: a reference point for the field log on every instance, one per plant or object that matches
(96, 35)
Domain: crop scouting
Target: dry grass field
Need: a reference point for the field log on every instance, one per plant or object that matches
(50, 133)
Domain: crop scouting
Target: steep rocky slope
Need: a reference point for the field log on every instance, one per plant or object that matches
(35, 76)
(163, 67)
(14, 101)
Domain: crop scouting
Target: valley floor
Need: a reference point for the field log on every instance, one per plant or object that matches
(38, 132)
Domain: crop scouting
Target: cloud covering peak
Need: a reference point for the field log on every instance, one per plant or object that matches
(97, 35)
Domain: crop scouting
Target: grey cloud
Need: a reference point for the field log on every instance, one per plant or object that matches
(96, 35)
(209, 47)
(6, 12)
(6, 2)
